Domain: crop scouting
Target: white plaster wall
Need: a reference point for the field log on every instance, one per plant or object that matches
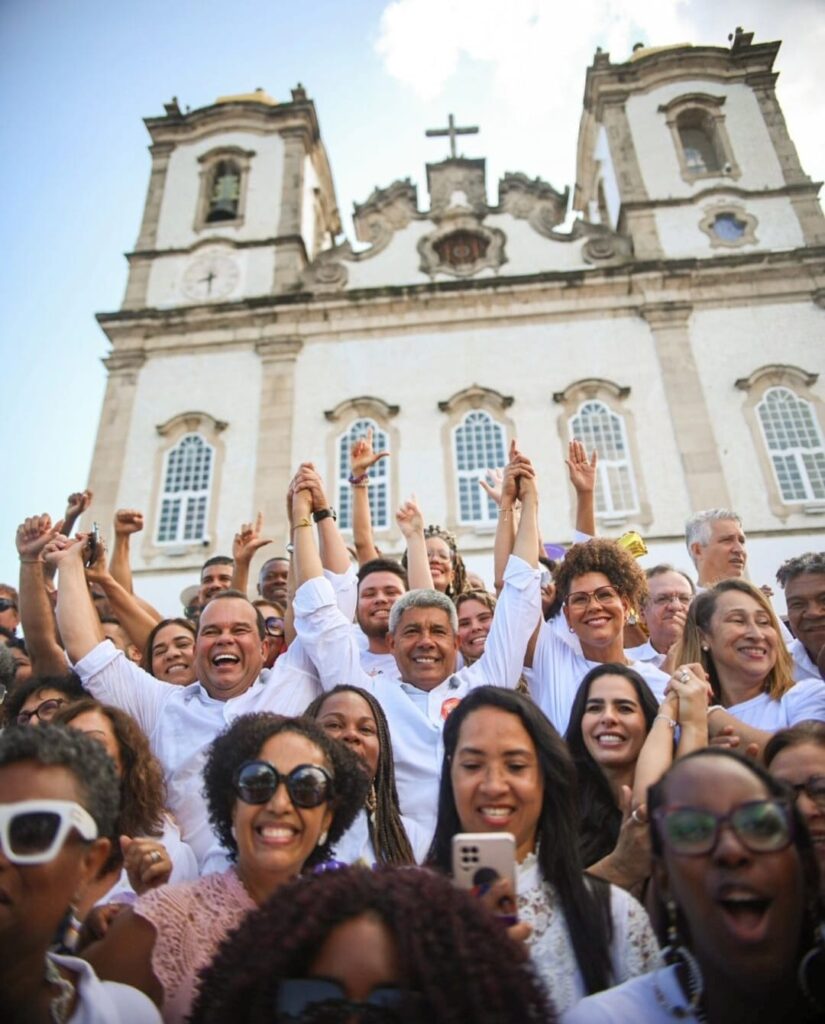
(308, 206)
(256, 273)
(777, 226)
(529, 362)
(656, 149)
(183, 182)
(226, 385)
(730, 344)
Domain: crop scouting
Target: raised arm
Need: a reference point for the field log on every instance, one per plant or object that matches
(334, 555)
(526, 544)
(502, 487)
(306, 559)
(76, 504)
(411, 523)
(127, 522)
(247, 541)
(582, 472)
(77, 619)
(128, 609)
(36, 615)
(362, 458)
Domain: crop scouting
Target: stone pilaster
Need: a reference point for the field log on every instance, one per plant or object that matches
(635, 220)
(113, 432)
(274, 466)
(290, 256)
(704, 478)
(139, 267)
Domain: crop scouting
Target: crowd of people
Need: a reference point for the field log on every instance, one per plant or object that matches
(264, 806)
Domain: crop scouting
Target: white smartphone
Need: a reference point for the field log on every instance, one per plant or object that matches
(481, 858)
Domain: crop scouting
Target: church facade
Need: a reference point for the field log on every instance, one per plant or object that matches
(677, 326)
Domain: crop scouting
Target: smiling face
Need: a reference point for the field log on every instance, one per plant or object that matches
(474, 622)
(34, 897)
(377, 593)
(276, 838)
(724, 556)
(601, 622)
(613, 725)
(805, 597)
(665, 610)
(98, 726)
(346, 716)
(496, 777)
(424, 646)
(214, 579)
(796, 765)
(441, 563)
(229, 653)
(743, 910)
(742, 640)
(272, 580)
(173, 655)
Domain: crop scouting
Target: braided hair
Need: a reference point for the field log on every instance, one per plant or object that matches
(386, 830)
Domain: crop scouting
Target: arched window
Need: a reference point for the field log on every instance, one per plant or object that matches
(697, 124)
(187, 481)
(379, 475)
(480, 444)
(597, 426)
(795, 445)
(697, 135)
(224, 192)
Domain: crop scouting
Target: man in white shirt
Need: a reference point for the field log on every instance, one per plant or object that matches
(803, 580)
(381, 582)
(181, 721)
(669, 593)
(423, 638)
(716, 543)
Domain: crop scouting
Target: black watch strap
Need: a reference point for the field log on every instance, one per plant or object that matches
(325, 513)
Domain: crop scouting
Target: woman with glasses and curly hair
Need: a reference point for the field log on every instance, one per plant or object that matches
(280, 794)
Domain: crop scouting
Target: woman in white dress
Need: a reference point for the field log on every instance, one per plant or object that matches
(507, 770)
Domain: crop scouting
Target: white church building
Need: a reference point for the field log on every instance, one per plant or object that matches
(677, 327)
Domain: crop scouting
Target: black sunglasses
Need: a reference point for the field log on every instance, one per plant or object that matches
(5, 604)
(308, 785)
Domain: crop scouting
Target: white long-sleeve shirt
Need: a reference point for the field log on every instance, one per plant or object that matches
(416, 717)
(182, 721)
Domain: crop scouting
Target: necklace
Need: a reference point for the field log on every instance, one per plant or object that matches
(692, 1011)
(61, 1004)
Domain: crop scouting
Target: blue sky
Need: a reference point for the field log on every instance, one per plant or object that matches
(77, 78)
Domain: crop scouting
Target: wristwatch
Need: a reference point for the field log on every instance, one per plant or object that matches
(325, 513)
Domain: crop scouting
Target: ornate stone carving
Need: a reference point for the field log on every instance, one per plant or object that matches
(326, 273)
(461, 247)
(386, 211)
(457, 187)
(603, 246)
(533, 200)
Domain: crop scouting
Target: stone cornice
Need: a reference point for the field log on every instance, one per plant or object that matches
(666, 314)
(191, 421)
(476, 395)
(793, 375)
(278, 349)
(125, 360)
(363, 406)
(590, 387)
(176, 127)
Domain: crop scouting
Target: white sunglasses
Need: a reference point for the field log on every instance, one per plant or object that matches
(33, 831)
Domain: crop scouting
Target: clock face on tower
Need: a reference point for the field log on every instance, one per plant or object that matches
(210, 276)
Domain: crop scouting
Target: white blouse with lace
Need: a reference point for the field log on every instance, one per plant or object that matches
(633, 950)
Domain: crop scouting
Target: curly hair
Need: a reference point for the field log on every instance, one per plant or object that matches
(146, 659)
(810, 562)
(69, 686)
(459, 581)
(389, 840)
(692, 647)
(92, 768)
(584, 902)
(599, 817)
(142, 789)
(608, 558)
(458, 962)
(243, 741)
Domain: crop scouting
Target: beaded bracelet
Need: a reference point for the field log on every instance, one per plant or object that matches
(666, 718)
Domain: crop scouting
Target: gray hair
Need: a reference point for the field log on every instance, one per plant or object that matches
(698, 527)
(663, 567)
(423, 599)
(810, 562)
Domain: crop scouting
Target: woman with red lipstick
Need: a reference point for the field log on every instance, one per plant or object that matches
(280, 795)
(733, 632)
(738, 880)
(506, 769)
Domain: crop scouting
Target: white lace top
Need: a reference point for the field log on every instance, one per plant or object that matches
(633, 951)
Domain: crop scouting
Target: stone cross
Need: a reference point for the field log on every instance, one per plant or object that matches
(451, 131)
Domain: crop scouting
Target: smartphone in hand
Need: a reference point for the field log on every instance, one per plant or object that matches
(482, 858)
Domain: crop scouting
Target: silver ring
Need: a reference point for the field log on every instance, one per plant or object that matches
(155, 857)
(684, 676)
(635, 817)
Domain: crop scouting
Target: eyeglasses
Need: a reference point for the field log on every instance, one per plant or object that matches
(308, 785)
(274, 626)
(323, 1001)
(6, 603)
(43, 712)
(664, 599)
(580, 599)
(763, 826)
(33, 831)
(813, 787)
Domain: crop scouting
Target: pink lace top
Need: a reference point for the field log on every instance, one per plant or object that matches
(191, 921)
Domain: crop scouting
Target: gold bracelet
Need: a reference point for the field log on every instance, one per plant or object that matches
(505, 511)
(303, 521)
